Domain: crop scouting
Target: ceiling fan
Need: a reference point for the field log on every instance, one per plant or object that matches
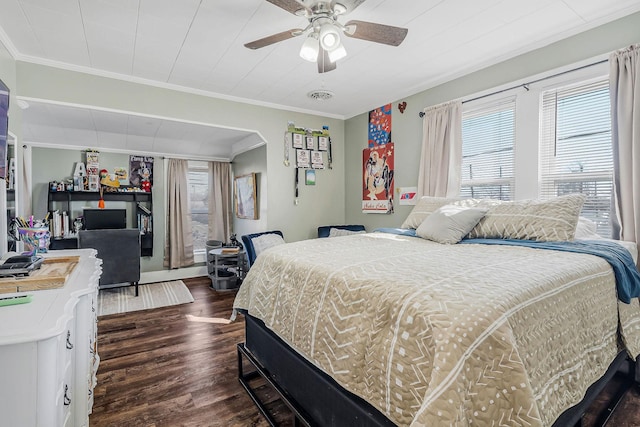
(323, 44)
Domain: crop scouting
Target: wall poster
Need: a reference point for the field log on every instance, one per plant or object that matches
(378, 169)
(380, 126)
(140, 170)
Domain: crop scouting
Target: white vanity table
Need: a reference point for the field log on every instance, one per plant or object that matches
(48, 351)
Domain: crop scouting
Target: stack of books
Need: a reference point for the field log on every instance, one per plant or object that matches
(230, 250)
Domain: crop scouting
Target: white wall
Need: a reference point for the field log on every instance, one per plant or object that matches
(407, 127)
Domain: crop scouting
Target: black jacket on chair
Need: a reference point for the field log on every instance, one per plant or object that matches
(119, 250)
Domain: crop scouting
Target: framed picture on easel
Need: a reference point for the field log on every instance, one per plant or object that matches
(245, 196)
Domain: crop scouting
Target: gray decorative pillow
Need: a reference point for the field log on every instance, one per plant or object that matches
(551, 220)
(450, 223)
(425, 207)
(335, 232)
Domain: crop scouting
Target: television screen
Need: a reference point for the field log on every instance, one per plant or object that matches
(4, 128)
(97, 219)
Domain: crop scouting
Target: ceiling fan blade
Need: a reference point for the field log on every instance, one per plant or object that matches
(274, 38)
(324, 64)
(291, 6)
(378, 33)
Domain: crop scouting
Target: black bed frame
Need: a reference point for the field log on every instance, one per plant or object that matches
(315, 399)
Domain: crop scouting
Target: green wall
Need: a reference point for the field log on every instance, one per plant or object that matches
(407, 127)
(51, 164)
(336, 197)
(298, 222)
(253, 161)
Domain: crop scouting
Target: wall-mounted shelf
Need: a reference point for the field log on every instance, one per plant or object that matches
(70, 196)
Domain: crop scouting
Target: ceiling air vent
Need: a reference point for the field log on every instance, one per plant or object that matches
(320, 95)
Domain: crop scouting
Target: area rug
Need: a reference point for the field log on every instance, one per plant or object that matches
(152, 295)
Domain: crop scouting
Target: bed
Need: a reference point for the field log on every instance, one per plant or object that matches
(412, 331)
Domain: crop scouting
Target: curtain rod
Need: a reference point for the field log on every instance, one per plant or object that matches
(526, 85)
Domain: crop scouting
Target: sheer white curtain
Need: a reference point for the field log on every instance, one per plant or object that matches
(441, 157)
(219, 201)
(178, 251)
(624, 76)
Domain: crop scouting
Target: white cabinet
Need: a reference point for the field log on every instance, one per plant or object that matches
(48, 351)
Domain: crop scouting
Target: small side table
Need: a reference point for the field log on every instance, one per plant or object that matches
(226, 270)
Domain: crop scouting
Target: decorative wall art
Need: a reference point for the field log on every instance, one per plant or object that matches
(309, 145)
(302, 159)
(308, 156)
(140, 171)
(297, 140)
(377, 186)
(380, 126)
(245, 196)
(408, 195)
(323, 143)
(317, 160)
(310, 177)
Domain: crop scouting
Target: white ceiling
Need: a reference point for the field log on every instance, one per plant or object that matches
(71, 126)
(198, 45)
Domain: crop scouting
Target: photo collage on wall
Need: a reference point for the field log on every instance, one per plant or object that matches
(378, 164)
(312, 150)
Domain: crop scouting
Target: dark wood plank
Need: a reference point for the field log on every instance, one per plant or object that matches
(173, 366)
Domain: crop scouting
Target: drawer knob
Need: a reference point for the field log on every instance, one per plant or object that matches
(69, 345)
(67, 399)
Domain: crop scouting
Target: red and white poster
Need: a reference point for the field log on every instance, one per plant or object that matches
(377, 188)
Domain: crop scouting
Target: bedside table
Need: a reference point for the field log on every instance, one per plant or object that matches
(226, 270)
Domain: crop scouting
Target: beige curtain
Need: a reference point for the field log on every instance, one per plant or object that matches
(624, 77)
(441, 158)
(179, 241)
(219, 201)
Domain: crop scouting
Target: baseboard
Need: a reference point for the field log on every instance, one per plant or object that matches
(177, 274)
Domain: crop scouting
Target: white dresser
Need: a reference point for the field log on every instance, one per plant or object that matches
(48, 351)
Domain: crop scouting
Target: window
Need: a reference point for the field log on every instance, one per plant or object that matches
(488, 136)
(198, 179)
(575, 148)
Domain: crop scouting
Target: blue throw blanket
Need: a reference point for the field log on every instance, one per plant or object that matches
(399, 231)
(625, 270)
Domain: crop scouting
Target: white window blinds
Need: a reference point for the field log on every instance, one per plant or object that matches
(198, 179)
(575, 144)
(488, 135)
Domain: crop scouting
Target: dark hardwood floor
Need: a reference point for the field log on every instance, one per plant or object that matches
(176, 366)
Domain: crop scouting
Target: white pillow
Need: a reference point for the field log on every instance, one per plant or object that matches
(450, 223)
(586, 229)
(335, 232)
(266, 241)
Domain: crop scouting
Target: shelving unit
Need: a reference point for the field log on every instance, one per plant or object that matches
(144, 220)
(143, 213)
(226, 270)
(11, 214)
(71, 196)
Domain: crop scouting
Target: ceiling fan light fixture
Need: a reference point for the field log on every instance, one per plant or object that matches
(309, 50)
(337, 53)
(329, 37)
(339, 9)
